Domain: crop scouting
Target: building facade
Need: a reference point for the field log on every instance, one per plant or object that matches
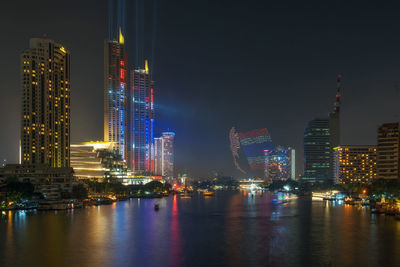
(168, 154)
(388, 151)
(115, 94)
(45, 121)
(141, 122)
(317, 151)
(320, 137)
(97, 161)
(354, 164)
(158, 155)
(164, 154)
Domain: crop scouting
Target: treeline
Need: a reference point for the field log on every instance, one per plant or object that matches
(120, 189)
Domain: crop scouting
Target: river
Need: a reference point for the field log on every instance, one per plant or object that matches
(229, 229)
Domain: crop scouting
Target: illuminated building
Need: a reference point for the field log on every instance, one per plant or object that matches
(97, 161)
(280, 163)
(168, 154)
(45, 117)
(164, 154)
(354, 164)
(320, 137)
(141, 122)
(115, 94)
(254, 143)
(158, 156)
(317, 151)
(388, 151)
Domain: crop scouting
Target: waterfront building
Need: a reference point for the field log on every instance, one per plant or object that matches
(115, 94)
(388, 151)
(168, 154)
(141, 122)
(320, 137)
(317, 151)
(354, 164)
(158, 156)
(39, 174)
(280, 164)
(45, 116)
(97, 161)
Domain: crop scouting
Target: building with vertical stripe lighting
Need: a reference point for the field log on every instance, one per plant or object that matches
(141, 121)
(115, 93)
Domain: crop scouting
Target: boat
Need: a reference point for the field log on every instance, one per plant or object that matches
(208, 193)
(186, 195)
(156, 207)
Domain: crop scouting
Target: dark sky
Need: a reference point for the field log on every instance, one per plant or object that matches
(249, 64)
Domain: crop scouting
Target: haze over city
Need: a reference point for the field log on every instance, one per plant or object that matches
(222, 64)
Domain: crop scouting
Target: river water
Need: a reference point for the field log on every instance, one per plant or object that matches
(229, 229)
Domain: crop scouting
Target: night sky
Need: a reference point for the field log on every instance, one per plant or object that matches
(248, 64)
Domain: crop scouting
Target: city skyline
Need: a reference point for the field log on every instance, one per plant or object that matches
(203, 112)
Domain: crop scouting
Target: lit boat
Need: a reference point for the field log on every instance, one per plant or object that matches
(208, 193)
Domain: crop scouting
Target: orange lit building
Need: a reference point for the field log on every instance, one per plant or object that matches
(45, 121)
(354, 164)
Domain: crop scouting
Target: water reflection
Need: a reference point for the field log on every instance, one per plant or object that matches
(229, 229)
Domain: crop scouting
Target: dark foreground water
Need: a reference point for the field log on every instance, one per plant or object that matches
(229, 229)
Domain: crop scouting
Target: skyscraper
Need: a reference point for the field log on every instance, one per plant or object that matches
(141, 121)
(320, 137)
(388, 151)
(115, 94)
(158, 156)
(168, 154)
(45, 121)
(317, 151)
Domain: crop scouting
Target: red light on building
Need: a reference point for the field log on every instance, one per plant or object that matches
(122, 74)
(152, 95)
(122, 63)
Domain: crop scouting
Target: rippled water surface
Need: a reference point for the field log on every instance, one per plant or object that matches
(229, 229)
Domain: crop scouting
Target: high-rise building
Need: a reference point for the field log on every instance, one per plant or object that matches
(158, 156)
(354, 164)
(320, 137)
(115, 94)
(317, 151)
(280, 163)
(141, 121)
(388, 151)
(45, 121)
(168, 154)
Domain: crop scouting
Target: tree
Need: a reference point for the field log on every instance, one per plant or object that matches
(79, 191)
